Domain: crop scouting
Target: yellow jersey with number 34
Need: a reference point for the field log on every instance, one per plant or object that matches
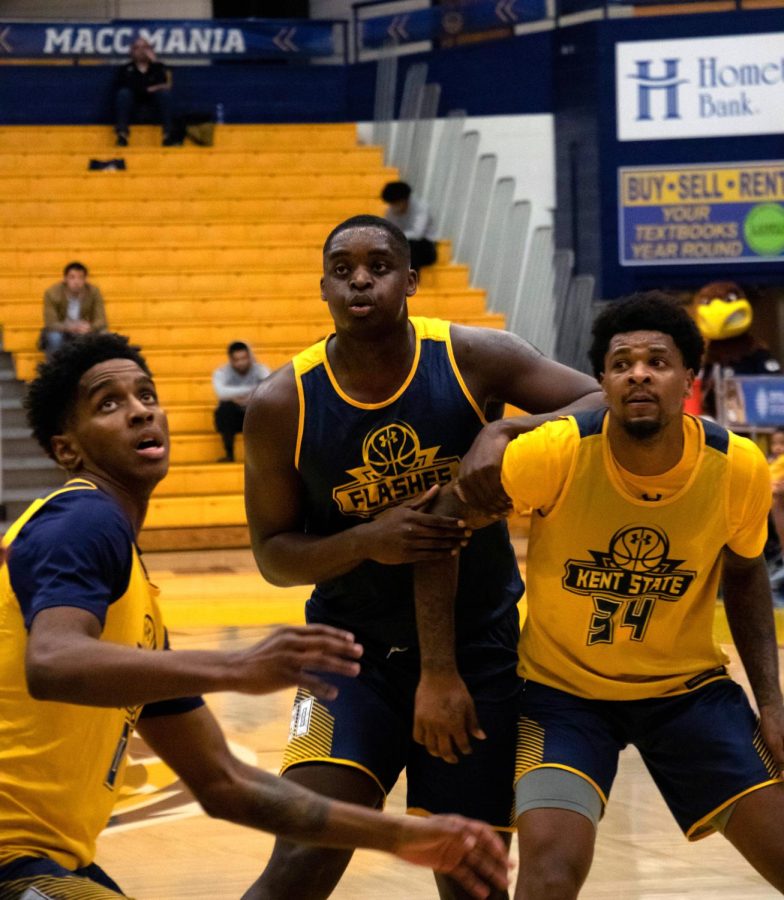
(623, 571)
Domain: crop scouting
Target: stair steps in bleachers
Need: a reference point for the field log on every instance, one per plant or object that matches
(126, 312)
(192, 248)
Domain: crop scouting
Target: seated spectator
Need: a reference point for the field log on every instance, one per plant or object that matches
(73, 306)
(413, 218)
(143, 86)
(233, 384)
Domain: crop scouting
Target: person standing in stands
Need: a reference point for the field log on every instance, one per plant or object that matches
(233, 384)
(72, 307)
(413, 218)
(143, 84)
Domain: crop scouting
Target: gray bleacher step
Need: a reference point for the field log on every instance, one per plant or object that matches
(22, 494)
(12, 413)
(10, 387)
(38, 472)
(19, 463)
(18, 442)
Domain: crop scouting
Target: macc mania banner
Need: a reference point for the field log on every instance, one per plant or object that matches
(221, 38)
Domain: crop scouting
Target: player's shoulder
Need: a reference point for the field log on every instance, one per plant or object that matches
(65, 513)
(587, 423)
(745, 454)
(273, 409)
(75, 528)
(278, 387)
(477, 346)
(556, 438)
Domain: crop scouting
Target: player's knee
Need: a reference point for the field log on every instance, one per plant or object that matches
(549, 879)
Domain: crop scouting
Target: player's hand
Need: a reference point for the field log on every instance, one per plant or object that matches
(479, 483)
(468, 851)
(298, 656)
(772, 729)
(409, 534)
(445, 716)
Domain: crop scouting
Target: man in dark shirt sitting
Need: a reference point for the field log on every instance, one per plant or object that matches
(143, 83)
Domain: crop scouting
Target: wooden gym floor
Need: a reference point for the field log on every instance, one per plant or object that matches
(160, 847)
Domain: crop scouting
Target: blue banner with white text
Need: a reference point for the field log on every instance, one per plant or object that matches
(171, 39)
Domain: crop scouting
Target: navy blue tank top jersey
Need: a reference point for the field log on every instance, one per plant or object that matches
(358, 459)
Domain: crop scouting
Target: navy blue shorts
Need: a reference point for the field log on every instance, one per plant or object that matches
(369, 726)
(703, 749)
(44, 879)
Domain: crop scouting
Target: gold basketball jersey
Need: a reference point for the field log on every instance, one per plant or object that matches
(622, 589)
(61, 765)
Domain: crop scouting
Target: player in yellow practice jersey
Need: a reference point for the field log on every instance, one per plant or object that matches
(640, 515)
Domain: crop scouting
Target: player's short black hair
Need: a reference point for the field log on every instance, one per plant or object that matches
(647, 311)
(395, 191)
(51, 396)
(80, 267)
(396, 236)
(236, 346)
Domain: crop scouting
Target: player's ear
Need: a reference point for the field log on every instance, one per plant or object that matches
(321, 285)
(66, 452)
(413, 283)
(689, 383)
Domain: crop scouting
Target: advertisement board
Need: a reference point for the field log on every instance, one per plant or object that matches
(752, 402)
(698, 214)
(700, 87)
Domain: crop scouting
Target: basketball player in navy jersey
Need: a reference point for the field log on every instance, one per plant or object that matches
(81, 628)
(344, 448)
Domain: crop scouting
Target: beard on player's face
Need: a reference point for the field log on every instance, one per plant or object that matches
(642, 429)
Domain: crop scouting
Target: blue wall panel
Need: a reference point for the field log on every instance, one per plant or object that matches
(496, 78)
(61, 95)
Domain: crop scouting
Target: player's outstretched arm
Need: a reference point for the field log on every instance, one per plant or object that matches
(285, 554)
(749, 608)
(193, 745)
(67, 661)
(502, 367)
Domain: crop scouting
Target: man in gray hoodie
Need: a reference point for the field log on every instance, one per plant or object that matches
(233, 384)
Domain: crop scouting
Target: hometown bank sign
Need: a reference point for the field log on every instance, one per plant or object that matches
(700, 87)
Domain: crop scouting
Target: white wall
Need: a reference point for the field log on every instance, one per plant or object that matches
(525, 147)
(97, 10)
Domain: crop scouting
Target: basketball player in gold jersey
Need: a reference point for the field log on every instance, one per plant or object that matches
(82, 662)
(641, 514)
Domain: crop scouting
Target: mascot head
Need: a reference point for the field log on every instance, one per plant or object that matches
(722, 311)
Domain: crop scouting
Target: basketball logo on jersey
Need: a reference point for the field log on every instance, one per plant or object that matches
(627, 579)
(395, 468)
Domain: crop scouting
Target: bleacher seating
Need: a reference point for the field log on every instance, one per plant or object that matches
(192, 248)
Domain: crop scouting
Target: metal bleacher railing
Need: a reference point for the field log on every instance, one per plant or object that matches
(525, 277)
